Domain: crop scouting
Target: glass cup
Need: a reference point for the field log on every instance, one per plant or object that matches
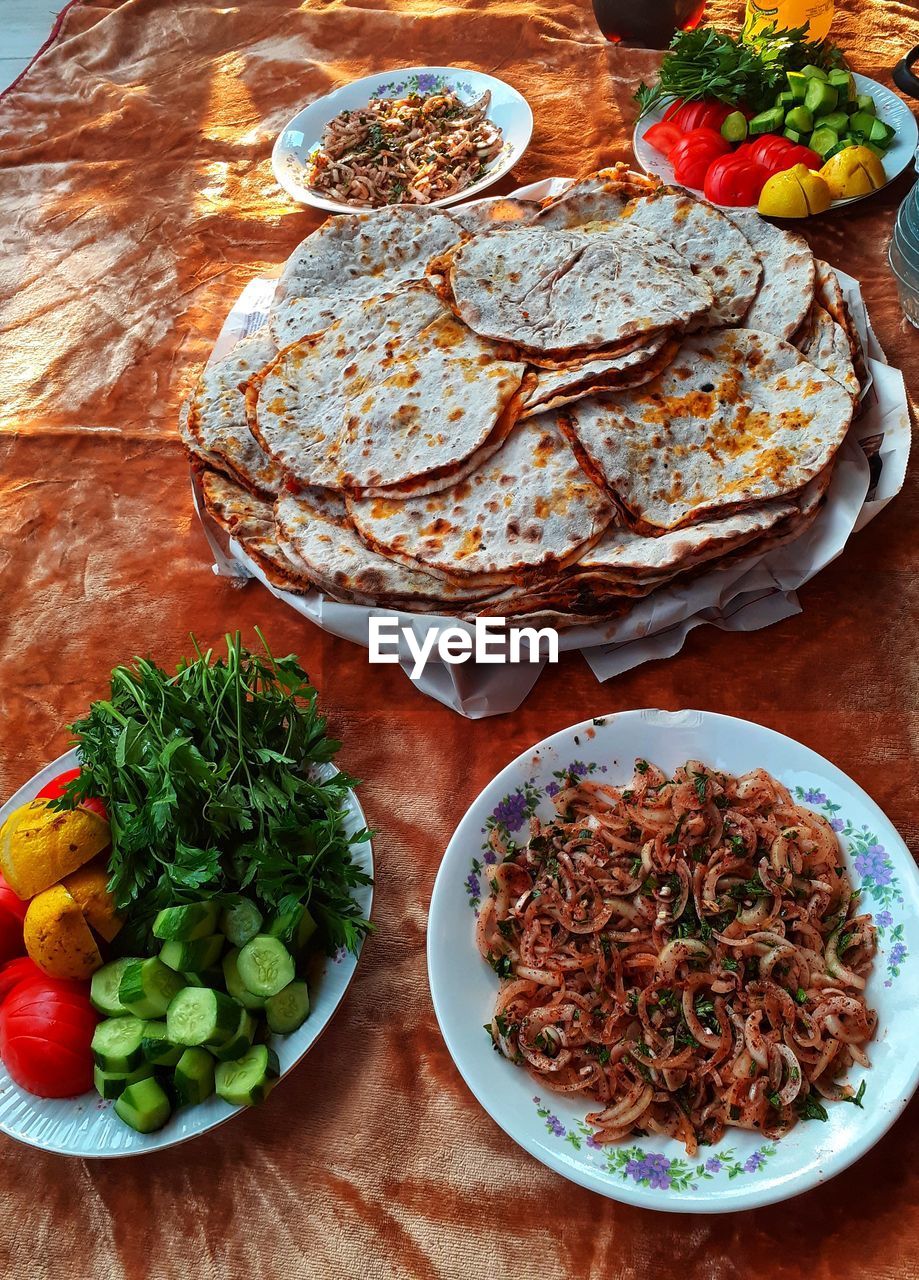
(648, 23)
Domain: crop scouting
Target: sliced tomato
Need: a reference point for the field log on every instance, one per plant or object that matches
(799, 154)
(45, 1034)
(16, 972)
(56, 787)
(11, 941)
(694, 153)
(51, 790)
(671, 111)
(700, 115)
(771, 151)
(12, 901)
(663, 137)
(735, 180)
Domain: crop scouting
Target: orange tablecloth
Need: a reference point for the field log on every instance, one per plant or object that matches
(136, 199)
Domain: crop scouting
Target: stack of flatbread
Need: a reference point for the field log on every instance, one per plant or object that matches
(537, 411)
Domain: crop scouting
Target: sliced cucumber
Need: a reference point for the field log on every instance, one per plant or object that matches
(249, 1079)
(103, 990)
(289, 1009)
(194, 1077)
(183, 924)
(210, 978)
(157, 1048)
(116, 1044)
(200, 1015)
(265, 965)
(148, 987)
(144, 1106)
(241, 1040)
(294, 928)
(240, 921)
(192, 957)
(235, 984)
(112, 1084)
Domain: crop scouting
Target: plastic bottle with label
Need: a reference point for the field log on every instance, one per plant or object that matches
(785, 15)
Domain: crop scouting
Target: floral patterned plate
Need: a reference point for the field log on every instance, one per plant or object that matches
(87, 1126)
(744, 1171)
(300, 136)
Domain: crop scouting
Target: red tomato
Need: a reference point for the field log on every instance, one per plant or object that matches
(18, 971)
(45, 1035)
(663, 137)
(700, 115)
(771, 151)
(12, 901)
(735, 180)
(693, 154)
(799, 154)
(672, 110)
(11, 943)
(51, 790)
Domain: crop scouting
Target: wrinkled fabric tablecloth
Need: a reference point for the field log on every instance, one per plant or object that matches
(136, 200)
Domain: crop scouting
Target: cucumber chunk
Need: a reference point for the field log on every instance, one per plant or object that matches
(192, 957)
(183, 924)
(235, 985)
(194, 1077)
(249, 1079)
(294, 928)
(112, 1084)
(289, 1009)
(157, 1048)
(799, 119)
(148, 987)
(265, 965)
(814, 73)
(201, 1016)
(824, 141)
(797, 85)
(866, 104)
(734, 127)
(103, 989)
(769, 121)
(240, 921)
(144, 1106)
(116, 1044)
(821, 98)
(241, 1040)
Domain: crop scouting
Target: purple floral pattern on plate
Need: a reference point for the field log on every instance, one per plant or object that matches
(424, 84)
(874, 867)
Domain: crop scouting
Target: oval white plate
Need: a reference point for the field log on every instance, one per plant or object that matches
(743, 1171)
(891, 109)
(87, 1126)
(301, 135)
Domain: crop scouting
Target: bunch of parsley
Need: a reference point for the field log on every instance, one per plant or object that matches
(209, 778)
(707, 63)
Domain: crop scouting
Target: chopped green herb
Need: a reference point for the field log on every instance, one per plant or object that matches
(810, 1109)
(730, 964)
(774, 1100)
(699, 780)
(641, 766)
(801, 996)
(856, 1099)
(502, 966)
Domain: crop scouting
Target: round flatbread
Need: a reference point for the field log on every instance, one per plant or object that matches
(351, 258)
(492, 213)
(787, 288)
(739, 417)
(714, 247)
(396, 392)
(600, 197)
(317, 535)
(528, 511)
(825, 343)
(554, 388)
(557, 291)
(250, 520)
(216, 427)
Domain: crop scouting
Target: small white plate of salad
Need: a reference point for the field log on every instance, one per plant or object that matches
(165, 994)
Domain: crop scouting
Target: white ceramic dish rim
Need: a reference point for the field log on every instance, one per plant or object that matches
(446, 900)
(904, 147)
(334, 102)
(337, 974)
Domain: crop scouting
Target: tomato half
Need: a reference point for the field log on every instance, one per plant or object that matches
(671, 111)
(12, 901)
(735, 180)
(799, 154)
(663, 137)
(51, 790)
(56, 787)
(700, 115)
(11, 940)
(45, 1034)
(16, 972)
(694, 153)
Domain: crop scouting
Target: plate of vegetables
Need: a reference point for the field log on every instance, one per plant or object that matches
(184, 899)
(780, 124)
